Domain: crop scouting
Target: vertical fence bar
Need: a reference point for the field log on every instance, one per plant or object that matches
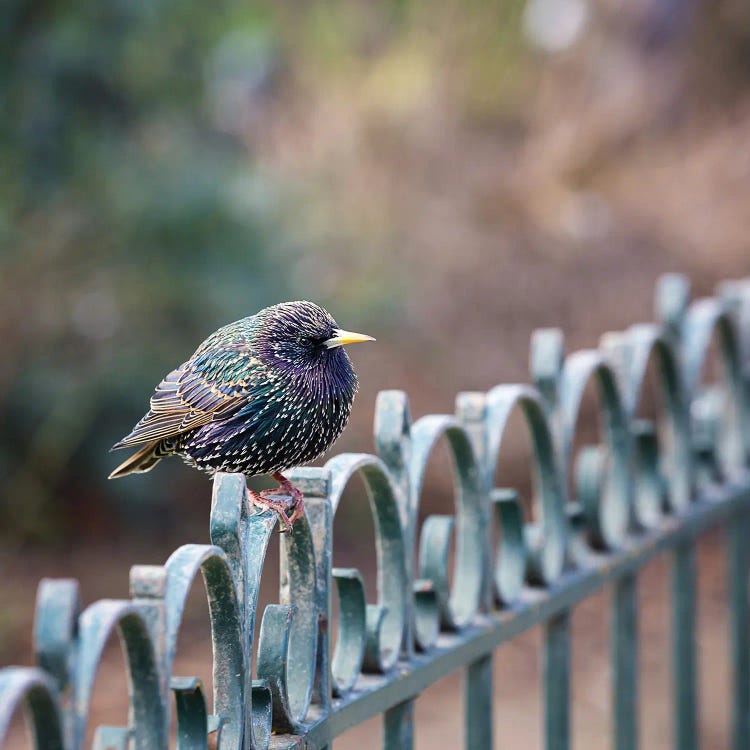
(557, 682)
(398, 727)
(739, 623)
(684, 688)
(478, 704)
(625, 663)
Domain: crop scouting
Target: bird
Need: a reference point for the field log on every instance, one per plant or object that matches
(259, 396)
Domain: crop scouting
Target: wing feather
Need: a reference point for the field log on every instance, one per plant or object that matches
(203, 390)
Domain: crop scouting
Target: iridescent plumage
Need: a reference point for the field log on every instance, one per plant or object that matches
(260, 395)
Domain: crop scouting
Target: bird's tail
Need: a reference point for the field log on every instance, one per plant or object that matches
(143, 460)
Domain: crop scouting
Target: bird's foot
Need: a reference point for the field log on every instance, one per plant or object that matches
(287, 488)
(263, 501)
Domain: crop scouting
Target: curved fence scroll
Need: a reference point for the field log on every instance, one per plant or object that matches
(598, 514)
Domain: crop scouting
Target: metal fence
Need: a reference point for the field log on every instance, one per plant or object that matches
(652, 487)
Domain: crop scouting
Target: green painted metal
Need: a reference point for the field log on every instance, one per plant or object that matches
(398, 727)
(650, 488)
(478, 704)
(35, 691)
(192, 720)
(511, 560)
(624, 640)
(684, 665)
(739, 629)
(557, 682)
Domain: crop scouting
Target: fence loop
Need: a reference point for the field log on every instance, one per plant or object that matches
(608, 510)
(671, 303)
(260, 720)
(651, 486)
(192, 715)
(297, 591)
(387, 620)
(547, 542)
(36, 691)
(704, 318)
(434, 551)
(645, 343)
(459, 605)
(350, 648)
(393, 436)
(289, 706)
(226, 630)
(511, 561)
(246, 535)
(58, 606)
(147, 710)
(546, 362)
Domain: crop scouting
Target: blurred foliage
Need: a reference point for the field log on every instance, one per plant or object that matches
(132, 223)
(134, 220)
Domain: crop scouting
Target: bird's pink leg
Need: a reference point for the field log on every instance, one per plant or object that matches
(287, 488)
(280, 508)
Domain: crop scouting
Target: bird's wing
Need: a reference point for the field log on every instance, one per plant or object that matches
(206, 388)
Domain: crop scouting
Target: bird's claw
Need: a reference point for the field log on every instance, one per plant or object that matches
(263, 501)
(298, 513)
(298, 499)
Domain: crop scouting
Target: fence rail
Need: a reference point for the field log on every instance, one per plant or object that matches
(651, 487)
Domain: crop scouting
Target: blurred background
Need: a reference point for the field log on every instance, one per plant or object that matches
(446, 176)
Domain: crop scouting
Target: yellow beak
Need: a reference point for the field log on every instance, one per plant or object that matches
(342, 337)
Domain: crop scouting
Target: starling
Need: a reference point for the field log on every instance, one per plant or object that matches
(259, 396)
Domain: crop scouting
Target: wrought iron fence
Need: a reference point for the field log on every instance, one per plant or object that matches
(652, 487)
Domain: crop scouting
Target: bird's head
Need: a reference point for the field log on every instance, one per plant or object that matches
(302, 335)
